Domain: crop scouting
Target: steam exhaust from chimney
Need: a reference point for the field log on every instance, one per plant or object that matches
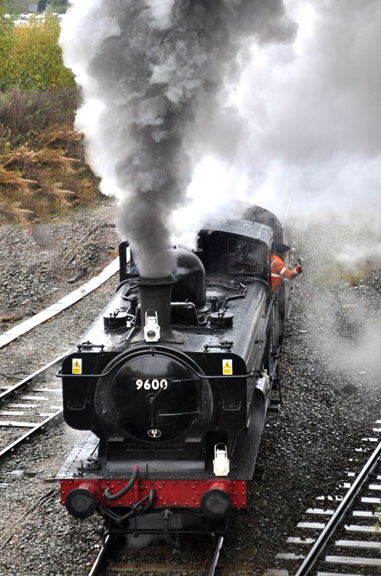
(155, 78)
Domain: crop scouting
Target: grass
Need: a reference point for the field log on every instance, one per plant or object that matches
(43, 172)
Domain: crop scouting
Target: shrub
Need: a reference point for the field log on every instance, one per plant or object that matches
(30, 56)
(23, 115)
(7, 42)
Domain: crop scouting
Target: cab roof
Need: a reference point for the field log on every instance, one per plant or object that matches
(247, 228)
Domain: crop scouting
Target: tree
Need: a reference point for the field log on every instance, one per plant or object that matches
(57, 6)
(41, 6)
(7, 42)
(16, 6)
(32, 59)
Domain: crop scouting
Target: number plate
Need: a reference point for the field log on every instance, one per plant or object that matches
(151, 383)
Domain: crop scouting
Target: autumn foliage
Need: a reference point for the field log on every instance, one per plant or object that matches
(30, 56)
(43, 171)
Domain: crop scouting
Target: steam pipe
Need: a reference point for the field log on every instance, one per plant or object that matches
(236, 296)
(198, 375)
(137, 508)
(107, 494)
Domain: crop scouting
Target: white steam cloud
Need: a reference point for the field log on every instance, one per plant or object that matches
(156, 78)
(312, 118)
(313, 113)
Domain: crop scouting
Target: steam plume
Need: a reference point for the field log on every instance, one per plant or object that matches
(314, 122)
(155, 76)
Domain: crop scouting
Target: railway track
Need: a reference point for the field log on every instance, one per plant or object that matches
(63, 304)
(35, 403)
(340, 539)
(29, 407)
(133, 566)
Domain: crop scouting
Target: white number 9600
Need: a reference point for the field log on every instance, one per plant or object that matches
(154, 384)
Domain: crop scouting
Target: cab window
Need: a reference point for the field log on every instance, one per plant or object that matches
(245, 257)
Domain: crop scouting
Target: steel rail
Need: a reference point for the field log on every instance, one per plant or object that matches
(65, 302)
(100, 559)
(212, 566)
(29, 379)
(330, 529)
(99, 562)
(39, 426)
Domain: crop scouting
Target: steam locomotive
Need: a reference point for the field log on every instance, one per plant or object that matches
(172, 383)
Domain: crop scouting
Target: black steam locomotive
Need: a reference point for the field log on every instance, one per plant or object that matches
(172, 382)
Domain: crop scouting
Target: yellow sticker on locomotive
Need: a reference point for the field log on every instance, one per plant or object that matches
(76, 367)
(227, 367)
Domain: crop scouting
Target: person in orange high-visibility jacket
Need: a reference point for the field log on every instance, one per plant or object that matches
(278, 268)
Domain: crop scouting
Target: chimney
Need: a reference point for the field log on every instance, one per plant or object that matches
(155, 310)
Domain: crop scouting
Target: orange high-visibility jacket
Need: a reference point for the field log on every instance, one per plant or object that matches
(279, 271)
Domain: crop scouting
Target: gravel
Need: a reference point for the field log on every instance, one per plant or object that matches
(330, 391)
(42, 263)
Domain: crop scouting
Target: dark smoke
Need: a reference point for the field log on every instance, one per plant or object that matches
(161, 71)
